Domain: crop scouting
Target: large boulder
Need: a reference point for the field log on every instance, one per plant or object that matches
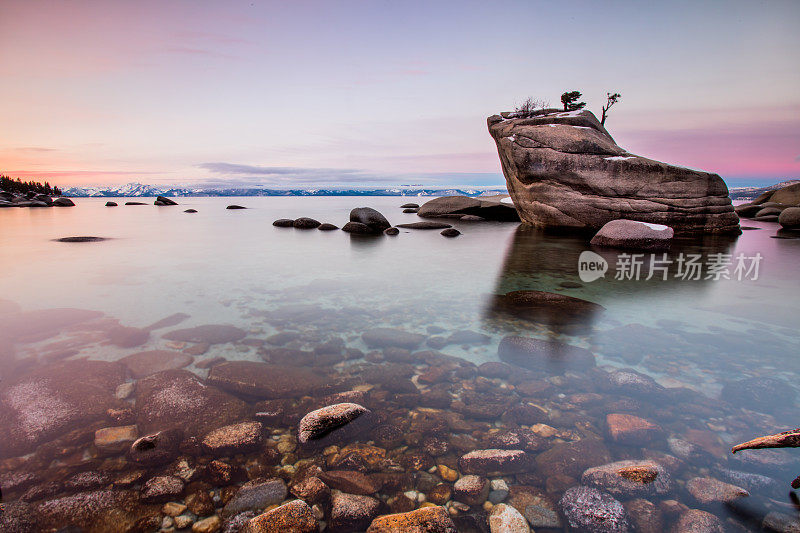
(790, 218)
(372, 219)
(488, 208)
(564, 171)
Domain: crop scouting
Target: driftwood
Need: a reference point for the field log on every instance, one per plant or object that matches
(787, 439)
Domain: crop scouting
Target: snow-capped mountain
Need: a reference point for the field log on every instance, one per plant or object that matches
(141, 190)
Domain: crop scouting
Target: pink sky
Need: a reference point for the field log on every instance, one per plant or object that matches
(359, 92)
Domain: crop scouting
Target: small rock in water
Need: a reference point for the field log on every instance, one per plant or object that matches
(162, 489)
(164, 201)
(325, 226)
(632, 234)
(155, 449)
(697, 521)
(329, 423)
(209, 333)
(410, 206)
(629, 479)
(506, 519)
(390, 337)
(632, 430)
(471, 489)
(111, 204)
(351, 512)
(293, 517)
(233, 439)
(256, 494)
(283, 223)
(450, 232)
(426, 224)
(306, 223)
(391, 231)
(81, 239)
(115, 439)
(487, 462)
(588, 509)
(411, 210)
(190, 211)
(709, 490)
(235, 207)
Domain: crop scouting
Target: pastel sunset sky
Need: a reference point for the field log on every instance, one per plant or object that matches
(361, 93)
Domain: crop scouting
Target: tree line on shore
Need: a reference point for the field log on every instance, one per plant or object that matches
(9, 184)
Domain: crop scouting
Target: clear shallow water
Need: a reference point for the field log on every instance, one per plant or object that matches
(233, 267)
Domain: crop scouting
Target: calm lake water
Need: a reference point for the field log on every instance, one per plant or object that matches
(707, 363)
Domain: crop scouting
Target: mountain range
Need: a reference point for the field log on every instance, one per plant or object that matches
(141, 190)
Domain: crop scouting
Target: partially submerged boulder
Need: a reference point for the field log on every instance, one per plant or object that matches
(488, 208)
(564, 171)
(635, 235)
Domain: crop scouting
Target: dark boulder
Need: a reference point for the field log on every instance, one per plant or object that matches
(63, 202)
(450, 232)
(325, 226)
(164, 201)
(283, 223)
(234, 206)
(305, 223)
(370, 218)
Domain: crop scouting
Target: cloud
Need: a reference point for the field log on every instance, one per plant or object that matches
(232, 174)
(37, 149)
(295, 175)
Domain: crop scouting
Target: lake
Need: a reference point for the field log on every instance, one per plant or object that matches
(264, 324)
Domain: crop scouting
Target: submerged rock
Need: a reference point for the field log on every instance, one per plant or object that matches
(424, 520)
(236, 438)
(588, 509)
(564, 171)
(488, 208)
(54, 400)
(629, 479)
(177, 398)
(632, 430)
(697, 521)
(208, 333)
(471, 489)
(293, 517)
(493, 461)
(709, 490)
(143, 364)
(635, 235)
(390, 337)
(351, 512)
(255, 495)
(506, 519)
(157, 448)
(764, 394)
(541, 355)
(573, 458)
(267, 381)
(554, 310)
(330, 423)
